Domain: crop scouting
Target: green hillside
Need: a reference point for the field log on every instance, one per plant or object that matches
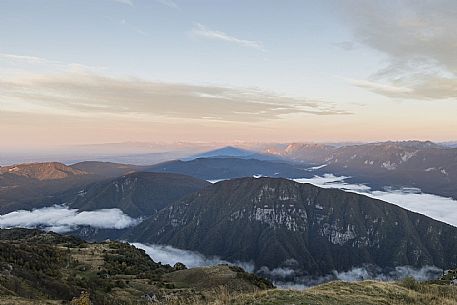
(36, 267)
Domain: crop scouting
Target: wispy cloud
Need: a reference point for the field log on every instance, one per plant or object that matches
(89, 94)
(425, 87)
(27, 61)
(169, 3)
(14, 58)
(202, 31)
(419, 40)
(381, 88)
(127, 2)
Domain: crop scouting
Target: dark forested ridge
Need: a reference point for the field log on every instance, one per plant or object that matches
(277, 222)
(138, 194)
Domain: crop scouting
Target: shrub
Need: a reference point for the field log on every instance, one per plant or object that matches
(410, 283)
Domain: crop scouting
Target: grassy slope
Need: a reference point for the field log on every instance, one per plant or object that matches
(339, 293)
(334, 293)
(361, 293)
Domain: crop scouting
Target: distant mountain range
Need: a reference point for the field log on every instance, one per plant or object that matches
(234, 152)
(105, 169)
(138, 153)
(451, 144)
(425, 165)
(282, 224)
(230, 167)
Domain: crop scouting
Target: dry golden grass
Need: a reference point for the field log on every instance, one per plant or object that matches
(207, 278)
(335, 293)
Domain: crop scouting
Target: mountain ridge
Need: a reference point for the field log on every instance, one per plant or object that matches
(139, 194)
(234, 152)
(41, 171)
(422, 164)
(227, 168)
(282, 222)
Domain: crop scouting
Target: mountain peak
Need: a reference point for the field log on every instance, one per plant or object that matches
(227, 151)
(42, 171)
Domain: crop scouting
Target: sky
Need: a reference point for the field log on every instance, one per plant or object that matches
(106, 71)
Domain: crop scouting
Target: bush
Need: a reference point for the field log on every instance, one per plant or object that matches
(179, 266)
(410, 283)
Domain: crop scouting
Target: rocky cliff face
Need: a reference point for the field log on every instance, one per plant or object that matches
(280, 223)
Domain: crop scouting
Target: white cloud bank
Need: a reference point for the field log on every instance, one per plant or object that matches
(362, 273)
(288, 277)
(62, 219)
(170, 255)
(434, 206)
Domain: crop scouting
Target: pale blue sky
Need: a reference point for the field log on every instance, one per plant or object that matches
(155, 41)
(334, 64)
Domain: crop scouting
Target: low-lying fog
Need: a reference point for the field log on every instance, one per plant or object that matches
(434, 206)
(170, 255)
(288, 277)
